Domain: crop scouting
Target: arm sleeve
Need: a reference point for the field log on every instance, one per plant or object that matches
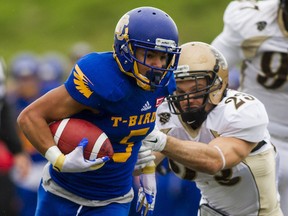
(8, 131)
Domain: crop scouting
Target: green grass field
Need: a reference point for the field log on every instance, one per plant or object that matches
(56, 25)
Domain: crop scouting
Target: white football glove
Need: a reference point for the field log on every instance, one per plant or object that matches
(147, 191)
(74, 161)
(145, 156)
(156, 140)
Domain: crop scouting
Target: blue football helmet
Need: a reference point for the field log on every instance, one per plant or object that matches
(24, 64)
(52, 67)
(150, 29)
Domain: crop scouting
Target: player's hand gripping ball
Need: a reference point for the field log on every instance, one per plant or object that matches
(70, 131)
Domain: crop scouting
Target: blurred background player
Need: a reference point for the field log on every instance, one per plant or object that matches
(51, 71)
(175, 192)
(23, 73)
(118, 91)
(23, 70)
(12, 155)
(78, 50)
(225, 145)
(256, 34)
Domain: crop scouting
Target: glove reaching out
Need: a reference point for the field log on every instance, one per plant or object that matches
(74, 161)
(145, 156)
(147, 191)
(156, 140)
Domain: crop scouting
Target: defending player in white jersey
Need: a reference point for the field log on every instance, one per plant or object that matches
(217, 137)
(256, 34)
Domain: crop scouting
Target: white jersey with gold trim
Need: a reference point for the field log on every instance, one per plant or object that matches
(249, 188)
(254, 33)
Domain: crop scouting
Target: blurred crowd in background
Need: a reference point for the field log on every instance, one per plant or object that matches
(24, 78)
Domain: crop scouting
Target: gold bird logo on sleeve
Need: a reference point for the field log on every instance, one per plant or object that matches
(81, 81)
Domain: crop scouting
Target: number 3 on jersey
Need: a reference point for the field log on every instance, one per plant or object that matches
(121, 157)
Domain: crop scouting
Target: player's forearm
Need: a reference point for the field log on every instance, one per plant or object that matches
(194, 155)
(159, 157)
(36, 130)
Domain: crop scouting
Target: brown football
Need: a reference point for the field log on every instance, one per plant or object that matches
(69, 132)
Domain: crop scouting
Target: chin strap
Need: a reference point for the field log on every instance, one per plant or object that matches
(154, 77)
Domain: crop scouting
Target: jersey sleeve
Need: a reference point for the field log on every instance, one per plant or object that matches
(241, 116)
(94, 79)
(229, 41)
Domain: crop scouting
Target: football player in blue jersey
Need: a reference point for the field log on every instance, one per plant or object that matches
(119, 92)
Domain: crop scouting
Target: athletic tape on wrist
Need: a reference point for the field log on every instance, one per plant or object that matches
(52, 154)
(59, 163)
(150, 168)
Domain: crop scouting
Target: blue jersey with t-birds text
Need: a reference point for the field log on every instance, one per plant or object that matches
(126, 113)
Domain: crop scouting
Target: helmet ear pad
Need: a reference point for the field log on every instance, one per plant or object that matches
(222, 79)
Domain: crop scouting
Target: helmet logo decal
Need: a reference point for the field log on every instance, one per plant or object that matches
(121, 30)
(82, 82)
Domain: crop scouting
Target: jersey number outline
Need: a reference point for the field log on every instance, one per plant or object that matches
(224, 177)
(121, 157)
(239, 99)
(279, 76)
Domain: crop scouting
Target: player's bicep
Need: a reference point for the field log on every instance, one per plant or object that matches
(56, 104)
(234, 149)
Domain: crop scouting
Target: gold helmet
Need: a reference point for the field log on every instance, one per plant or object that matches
(199, 60)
